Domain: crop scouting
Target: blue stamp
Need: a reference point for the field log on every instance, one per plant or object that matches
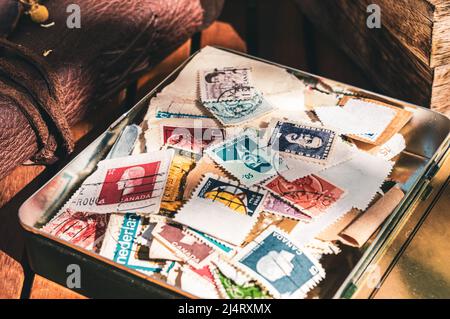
(246, 159)
(285, 269)
(303, 140)
(234, 112)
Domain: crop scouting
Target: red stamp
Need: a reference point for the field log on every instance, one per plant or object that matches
(194, 139)
(185, 245)
(311, 194)
(128, 184)
(81, 229)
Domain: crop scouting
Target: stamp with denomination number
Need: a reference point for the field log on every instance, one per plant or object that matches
(226, 84)
(246, 159)
(285, 269)
(312, 194)
(305, 141)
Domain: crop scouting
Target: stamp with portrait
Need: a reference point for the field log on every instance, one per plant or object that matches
(284, 268)
(127, 184)
(81, 229)
(311, 194)
(245, 157)
(305, 141)
(226, 84)
(184, 244)
(190, 135)
(236, 112)
(218, 204)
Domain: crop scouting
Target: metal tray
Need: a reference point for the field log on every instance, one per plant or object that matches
(348, 274)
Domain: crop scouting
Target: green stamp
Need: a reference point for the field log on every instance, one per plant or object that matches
(249, 290)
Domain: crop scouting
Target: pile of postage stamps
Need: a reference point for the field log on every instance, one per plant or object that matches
(225, 187)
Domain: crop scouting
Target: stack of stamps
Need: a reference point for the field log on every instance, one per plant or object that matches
(229, 95)
(207, 199)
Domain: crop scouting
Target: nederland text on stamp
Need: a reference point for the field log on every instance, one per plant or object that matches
(121, 243)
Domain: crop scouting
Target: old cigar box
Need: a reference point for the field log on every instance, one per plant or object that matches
(419, 169)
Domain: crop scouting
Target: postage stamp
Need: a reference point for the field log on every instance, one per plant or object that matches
(312, 194)
(191, 135)
(275, 205)
(81, 229)
(226, 84)
(218, 205)
(237, 197)
(285, 269)
(198, 282)
(235, 112)
(220, 246)
(267, 219)
(246, 158)
(184, 244)
(127, 184)
(183, 162)
(305, 141)
(121, 243)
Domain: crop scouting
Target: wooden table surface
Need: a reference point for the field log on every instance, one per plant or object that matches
(272, 42)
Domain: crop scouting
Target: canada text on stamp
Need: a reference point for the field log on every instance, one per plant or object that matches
(245, 158)
(284, 268)
(226, 84)
(78, 228)
(218, 205)
(305, 141)
(235, 112)
(311, 194)
(184, 244)
(127, 184)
